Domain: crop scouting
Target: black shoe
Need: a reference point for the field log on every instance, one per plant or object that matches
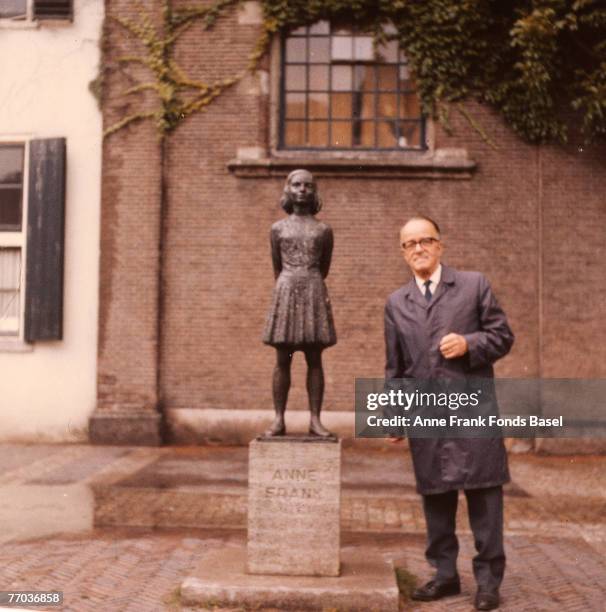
(487, 600)
(436, 590)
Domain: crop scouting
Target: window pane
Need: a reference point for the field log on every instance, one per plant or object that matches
(321, 27)
(341, 134)
(10, 208)
(387, 105)
(341, 30)
(388, 52)
(318, 134)
(364, 77)
(364, 134)
(294, 134)
(318, 106)
(363, 48)
(341, 78)
(10, 304)
(387, 134)
(296, 50)
(342, 48)
(410, 106)
(11, 164)
(341, 106)
(387, 77)
(406, 81)
(295, 78)
(13, 8)
(409, 134)
(364, 105)
(399, 134)
(318, 77)
(11, 186)
(295, 105)
(319, 50)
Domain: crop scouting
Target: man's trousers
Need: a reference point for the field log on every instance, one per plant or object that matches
(486, 522)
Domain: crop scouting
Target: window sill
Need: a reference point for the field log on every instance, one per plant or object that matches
(15, 345)
(35, 24)
(438, 164)
(7, 24)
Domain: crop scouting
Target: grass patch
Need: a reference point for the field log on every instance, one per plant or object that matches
(406, 582)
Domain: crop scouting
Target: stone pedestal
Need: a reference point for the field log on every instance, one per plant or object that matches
(294, 487)
(366, 584)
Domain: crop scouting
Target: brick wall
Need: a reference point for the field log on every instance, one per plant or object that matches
(532, 219)
(129, 235)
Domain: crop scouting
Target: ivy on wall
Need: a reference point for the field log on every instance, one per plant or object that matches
(178, 96)
(540, 63)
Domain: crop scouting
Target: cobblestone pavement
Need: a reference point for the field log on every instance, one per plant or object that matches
(85, 520)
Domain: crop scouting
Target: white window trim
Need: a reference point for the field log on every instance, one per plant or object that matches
(18, 239)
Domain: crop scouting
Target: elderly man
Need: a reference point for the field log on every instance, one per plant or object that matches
(447, 324)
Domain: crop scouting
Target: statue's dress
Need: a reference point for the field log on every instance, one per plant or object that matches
(300, 315)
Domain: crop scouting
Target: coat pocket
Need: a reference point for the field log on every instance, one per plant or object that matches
(455, 462)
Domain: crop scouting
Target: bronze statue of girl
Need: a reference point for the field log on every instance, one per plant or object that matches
(300, 317)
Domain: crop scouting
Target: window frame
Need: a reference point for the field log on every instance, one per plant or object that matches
(13, 239)
(278, 105)
(29, 18)
(264, 159)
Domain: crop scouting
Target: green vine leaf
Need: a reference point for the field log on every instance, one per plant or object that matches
(177, 95)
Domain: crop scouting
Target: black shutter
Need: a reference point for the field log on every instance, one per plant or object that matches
(52, 9)
(45, 239)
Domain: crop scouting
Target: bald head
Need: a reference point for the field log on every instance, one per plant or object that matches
(422, 218)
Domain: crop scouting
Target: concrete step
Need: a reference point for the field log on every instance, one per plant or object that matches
(207, 487)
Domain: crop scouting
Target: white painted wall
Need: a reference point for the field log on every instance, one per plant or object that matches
(48, 392)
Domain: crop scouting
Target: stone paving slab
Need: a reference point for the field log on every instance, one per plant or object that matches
(81, 466)
(14, 456)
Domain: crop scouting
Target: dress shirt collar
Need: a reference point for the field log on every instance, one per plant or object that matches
(434, 278)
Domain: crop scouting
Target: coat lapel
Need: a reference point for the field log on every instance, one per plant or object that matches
(413, 293)
(447, 283)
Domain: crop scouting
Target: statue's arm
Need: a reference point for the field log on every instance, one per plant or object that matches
(276, 257)
(326, 252)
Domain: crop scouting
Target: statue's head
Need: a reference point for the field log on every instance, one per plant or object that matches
(300, 190)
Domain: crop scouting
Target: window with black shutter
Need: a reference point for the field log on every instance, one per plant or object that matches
(52, 9)
(32, 203)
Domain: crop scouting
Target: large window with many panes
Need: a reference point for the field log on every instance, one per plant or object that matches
(341, 91)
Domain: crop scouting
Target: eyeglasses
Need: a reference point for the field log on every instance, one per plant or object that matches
(424, 243)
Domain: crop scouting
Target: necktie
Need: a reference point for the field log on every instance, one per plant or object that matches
(427, 291)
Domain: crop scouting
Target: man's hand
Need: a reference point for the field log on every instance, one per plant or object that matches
(453, 345)
(394, 440)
